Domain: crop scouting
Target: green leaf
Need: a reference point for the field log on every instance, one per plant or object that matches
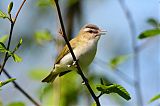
(44, 3)
(18, 45)
(16, 104)
(4, 38)
(7, 81)
(2, 47)
(149, 33)
(114, 62)
(114, 88)
(3, 15)
(38, 74)
(94, 104)
(43, 36)
(10, 6)
(156, 97)
(153, 22)
(16, 58)
(1, 103)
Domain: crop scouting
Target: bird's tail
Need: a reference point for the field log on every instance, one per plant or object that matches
(51, 77)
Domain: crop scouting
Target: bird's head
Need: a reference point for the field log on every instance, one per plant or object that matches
(91, 32)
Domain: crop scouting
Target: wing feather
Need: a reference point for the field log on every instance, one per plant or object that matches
(65, 50)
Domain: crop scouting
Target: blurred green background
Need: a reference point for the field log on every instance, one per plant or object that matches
(38, 25)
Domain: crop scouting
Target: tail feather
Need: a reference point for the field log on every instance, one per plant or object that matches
(50, 78)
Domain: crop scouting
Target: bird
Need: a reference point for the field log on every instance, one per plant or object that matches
(84, 46)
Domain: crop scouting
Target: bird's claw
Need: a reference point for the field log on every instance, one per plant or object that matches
(68, 65)
(73, 64)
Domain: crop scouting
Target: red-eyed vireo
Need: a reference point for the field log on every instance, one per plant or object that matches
(84, 46)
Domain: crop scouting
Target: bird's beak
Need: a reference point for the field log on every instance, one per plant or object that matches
(103, 32)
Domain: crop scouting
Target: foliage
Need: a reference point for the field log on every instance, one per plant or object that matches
(43, 36)
(114, 62)
(43, 3)
(2, 83)
(149, 33)
(1, 104)
(2, 47)
(18, 45)
(3, 15)
(15, 57)
(10, 6)
(4, 38)
(153, 22)
(114, 88)
(38, 74)
(156, 97)
(16, 104)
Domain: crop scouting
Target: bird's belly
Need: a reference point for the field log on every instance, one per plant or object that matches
(86, 57)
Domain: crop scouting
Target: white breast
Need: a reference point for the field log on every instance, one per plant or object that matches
(84, 53)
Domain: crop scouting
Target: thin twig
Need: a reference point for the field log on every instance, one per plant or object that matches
(100, 95)
(19, 10)
(74, 57)
(21, 89)
(136, 64)
(10, 36)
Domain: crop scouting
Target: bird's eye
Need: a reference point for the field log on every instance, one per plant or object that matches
(90, 31)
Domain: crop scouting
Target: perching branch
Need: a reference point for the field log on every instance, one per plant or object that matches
(74, 57)
(12, 21)
(136, 64)
(18, 87)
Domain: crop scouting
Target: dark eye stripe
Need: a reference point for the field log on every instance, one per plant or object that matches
(92, 31)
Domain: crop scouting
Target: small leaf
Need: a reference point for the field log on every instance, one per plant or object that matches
(114, 62)
(4, 38)
(153, 22)
(156, 97)
(38, 74)
(1, 104)
(7, 81)
(94, 104)
(16, 58)
(149, 33)
(16, 104)
(3, 15)
(43, 36)
(2, 47)
(114, 88)
(18, 45)
(10, 6)
(43, 3)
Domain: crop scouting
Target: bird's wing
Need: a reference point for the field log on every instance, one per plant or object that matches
(66, 50)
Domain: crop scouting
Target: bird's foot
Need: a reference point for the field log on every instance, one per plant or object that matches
(74, 63)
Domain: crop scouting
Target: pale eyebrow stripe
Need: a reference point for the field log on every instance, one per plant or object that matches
(92, 27)
(86, 29)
